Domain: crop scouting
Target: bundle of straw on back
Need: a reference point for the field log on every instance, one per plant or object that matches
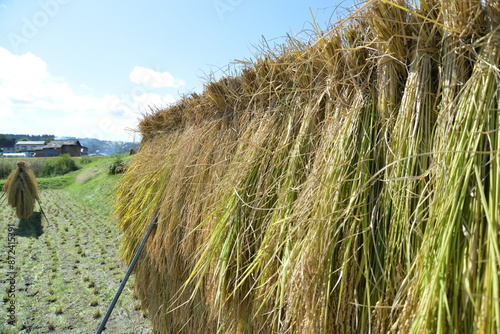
(22, 190)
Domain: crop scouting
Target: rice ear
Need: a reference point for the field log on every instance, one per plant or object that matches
(21, 189)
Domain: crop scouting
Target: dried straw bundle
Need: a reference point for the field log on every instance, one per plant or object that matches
(22, 190)
(345, 186)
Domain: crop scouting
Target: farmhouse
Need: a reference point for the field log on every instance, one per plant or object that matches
(29, 147)
(58, 147)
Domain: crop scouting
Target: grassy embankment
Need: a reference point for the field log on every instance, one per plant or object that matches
(66, 267)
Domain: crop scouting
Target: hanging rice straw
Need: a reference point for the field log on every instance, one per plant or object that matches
(350, 185)
(21, 189)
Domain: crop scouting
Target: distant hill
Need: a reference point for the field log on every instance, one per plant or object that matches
(104, 147)
(46, 138)
(95, 146)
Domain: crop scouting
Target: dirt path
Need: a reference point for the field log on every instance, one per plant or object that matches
(60, 276)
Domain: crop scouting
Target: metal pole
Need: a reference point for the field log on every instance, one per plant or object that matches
(2, 198)
(43, 213)
(127, 274)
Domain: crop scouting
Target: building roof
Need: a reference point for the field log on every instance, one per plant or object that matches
(61, 143)
(36, 142)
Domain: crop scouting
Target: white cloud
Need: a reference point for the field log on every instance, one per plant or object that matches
(142, 75)
(32, 101)
(148, 100)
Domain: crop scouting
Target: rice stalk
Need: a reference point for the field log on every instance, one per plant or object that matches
(439, 307)
(406, 180)
(390, 28)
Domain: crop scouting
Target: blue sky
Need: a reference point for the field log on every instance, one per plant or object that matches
(89, 68)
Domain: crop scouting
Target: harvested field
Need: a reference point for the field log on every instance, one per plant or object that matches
(63, 275)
